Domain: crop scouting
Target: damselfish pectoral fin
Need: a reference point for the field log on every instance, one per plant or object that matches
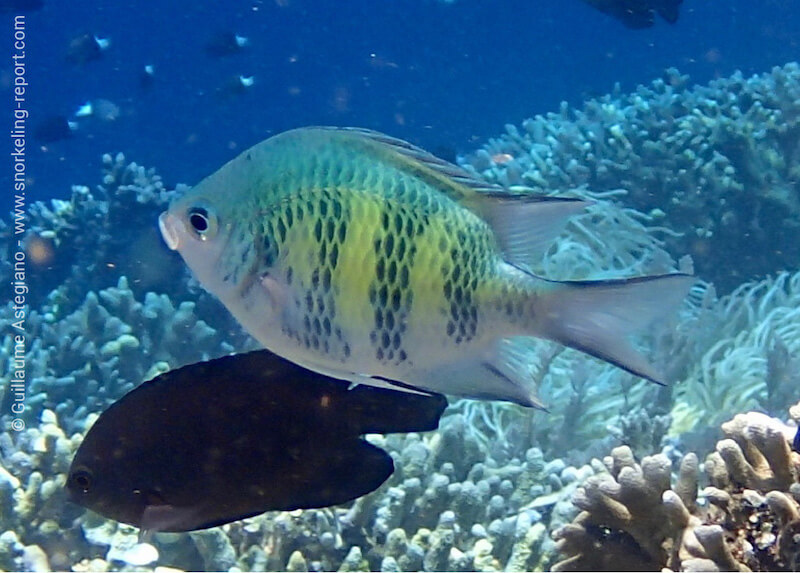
(597, 317)
(277, 292)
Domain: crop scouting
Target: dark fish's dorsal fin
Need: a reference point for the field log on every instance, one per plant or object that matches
(524, 222)
(380, 411)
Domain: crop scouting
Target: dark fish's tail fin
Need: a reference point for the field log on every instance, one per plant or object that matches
(383, 411)
(668, 9)
(597, 316)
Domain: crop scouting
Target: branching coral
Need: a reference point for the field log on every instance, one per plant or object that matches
(721, 161)
(81, 362)
(746, 519)
(86, 242)
(744, 351)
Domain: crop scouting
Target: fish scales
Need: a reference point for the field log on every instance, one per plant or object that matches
(342, 202)
(365, 258)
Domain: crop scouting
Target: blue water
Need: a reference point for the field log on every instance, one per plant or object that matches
(444, 76)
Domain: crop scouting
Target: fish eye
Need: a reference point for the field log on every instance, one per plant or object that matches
(199, 219)
(83, 480)
(203, 223)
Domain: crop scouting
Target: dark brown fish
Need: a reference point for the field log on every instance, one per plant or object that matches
(225, 44)
(222, 440)
(54, 128)
(638, 14)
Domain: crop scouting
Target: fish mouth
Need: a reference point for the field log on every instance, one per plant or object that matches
(169, 226)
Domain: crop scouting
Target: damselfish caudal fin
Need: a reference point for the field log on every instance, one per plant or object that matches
(596, 317)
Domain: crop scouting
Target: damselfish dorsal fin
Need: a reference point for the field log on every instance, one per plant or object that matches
(452, 180)
(524, 223)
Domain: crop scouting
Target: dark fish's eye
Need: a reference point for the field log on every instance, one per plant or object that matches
(83, 480)
(203, 222)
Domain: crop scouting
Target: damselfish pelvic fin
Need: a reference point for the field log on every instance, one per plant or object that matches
(376, 382)
(596, 317)
(229, 438)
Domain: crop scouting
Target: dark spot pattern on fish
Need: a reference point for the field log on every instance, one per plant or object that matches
(280, 227)
(389, 294)
(269, 251)
(237, 268)
(316, 300)
(460, 273)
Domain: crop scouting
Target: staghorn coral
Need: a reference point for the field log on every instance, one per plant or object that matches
(746, 519)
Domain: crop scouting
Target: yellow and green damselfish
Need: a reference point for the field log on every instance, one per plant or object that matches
(365, 258)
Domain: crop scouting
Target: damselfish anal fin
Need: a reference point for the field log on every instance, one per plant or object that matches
(514, 359)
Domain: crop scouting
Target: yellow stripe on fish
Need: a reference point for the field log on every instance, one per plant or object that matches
(368, 259)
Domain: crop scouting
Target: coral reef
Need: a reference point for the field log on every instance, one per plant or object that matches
(743, 352)
(720, 162)
(86, 242)
(746, 519)
(80, 362)
(484, 492)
